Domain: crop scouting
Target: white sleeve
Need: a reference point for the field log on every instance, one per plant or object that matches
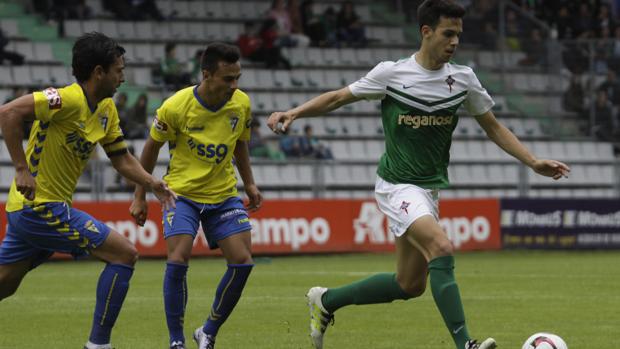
(374, 84)
(478, 100)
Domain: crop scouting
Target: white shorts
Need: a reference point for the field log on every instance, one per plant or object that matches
(404, 203)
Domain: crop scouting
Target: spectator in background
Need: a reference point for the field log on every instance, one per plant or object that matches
(290, 144)
(573, 99)
(313, 25)
(253, 48)
(583, 26)
(513, 30)
(136, 127)
(284, 26)
(13, 57)
(309, 145)
(195, 72)
(603, 20)
(350, 28)
(257, 145)
(612, 87)
(605, 125)
(535, 49)
(172, 70)
(123, 111)
(135, 10)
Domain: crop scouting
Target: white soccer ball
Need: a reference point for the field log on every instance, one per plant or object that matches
(544, 340)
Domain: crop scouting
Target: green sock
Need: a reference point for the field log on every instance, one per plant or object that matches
(447, 297)
(379, 288)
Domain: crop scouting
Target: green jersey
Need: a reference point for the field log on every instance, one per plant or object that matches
(418, 110)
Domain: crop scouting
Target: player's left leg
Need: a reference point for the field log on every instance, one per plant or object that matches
(229, 225)
(237, 251)
(120, 256)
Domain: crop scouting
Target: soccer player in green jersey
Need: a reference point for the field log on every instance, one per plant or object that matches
(419, 99)
(205, 126)
(68, 124)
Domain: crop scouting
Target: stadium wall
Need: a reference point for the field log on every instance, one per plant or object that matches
(312, 226)
(337, 226)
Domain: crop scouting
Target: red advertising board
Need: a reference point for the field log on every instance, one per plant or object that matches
(313, 226)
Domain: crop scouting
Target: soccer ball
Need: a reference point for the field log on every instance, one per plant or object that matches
(544, 340)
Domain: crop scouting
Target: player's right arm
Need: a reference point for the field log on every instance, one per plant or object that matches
(12, 118)
(148, 160)
(319, 105)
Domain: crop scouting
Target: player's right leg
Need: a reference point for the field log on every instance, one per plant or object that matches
(11, 275)
(18, 255)
(180, 228)
(428, 237)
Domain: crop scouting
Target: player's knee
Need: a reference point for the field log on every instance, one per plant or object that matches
(179, 257)
(241, 258)
(413, 289)
(442, 247)
(130, 256)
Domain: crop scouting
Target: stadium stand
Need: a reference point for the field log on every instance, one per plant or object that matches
(528, 101)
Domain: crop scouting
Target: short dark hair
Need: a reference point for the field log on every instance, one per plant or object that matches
(430, 11)
(93, 49)
(217, 52)
(169, 47)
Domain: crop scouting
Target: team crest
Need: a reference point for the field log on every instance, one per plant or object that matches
(170, 218)
(91, 226)
(450, 81)
(103, 119)
(404, 206)
(234, 119)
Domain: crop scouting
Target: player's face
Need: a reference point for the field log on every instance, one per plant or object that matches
(445, 38)
(224, 81)
(114, 77)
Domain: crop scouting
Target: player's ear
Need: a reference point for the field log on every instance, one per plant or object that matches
(98, 72)
(205, 74)
(426, 31)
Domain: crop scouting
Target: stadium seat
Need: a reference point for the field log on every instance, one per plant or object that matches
(43, 52)
(41, 75)
(9, 27)
(60, 76)
(26, 49)
(22, 76)
(126, 30)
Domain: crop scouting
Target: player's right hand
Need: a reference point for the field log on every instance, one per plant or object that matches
(139, 211)
(25, 183)
(279, 122)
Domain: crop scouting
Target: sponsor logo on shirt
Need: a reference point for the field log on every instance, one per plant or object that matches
(53, 98)
(80, 146)
(208, 151)
(417, 121)
(160, 125)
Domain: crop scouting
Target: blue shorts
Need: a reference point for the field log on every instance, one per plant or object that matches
(219, 221)
(39, 231)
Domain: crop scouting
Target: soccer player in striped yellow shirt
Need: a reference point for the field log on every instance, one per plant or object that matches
(68, 124)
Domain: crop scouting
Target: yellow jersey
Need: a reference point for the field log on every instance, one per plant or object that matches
(64, 134)
(202, 141)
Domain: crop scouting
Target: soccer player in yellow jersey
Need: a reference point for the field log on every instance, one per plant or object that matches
(68, 124)
(205, 126)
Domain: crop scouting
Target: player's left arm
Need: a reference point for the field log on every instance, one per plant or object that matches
(129, 167)
(506, 140)
(242, 159)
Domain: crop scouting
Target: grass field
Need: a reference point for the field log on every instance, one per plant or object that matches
(507, 295)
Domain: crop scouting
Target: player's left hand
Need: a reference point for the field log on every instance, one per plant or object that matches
(165, 195)
(551, 168)
(256, 198)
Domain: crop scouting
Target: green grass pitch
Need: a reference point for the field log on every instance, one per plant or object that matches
(507, 295)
